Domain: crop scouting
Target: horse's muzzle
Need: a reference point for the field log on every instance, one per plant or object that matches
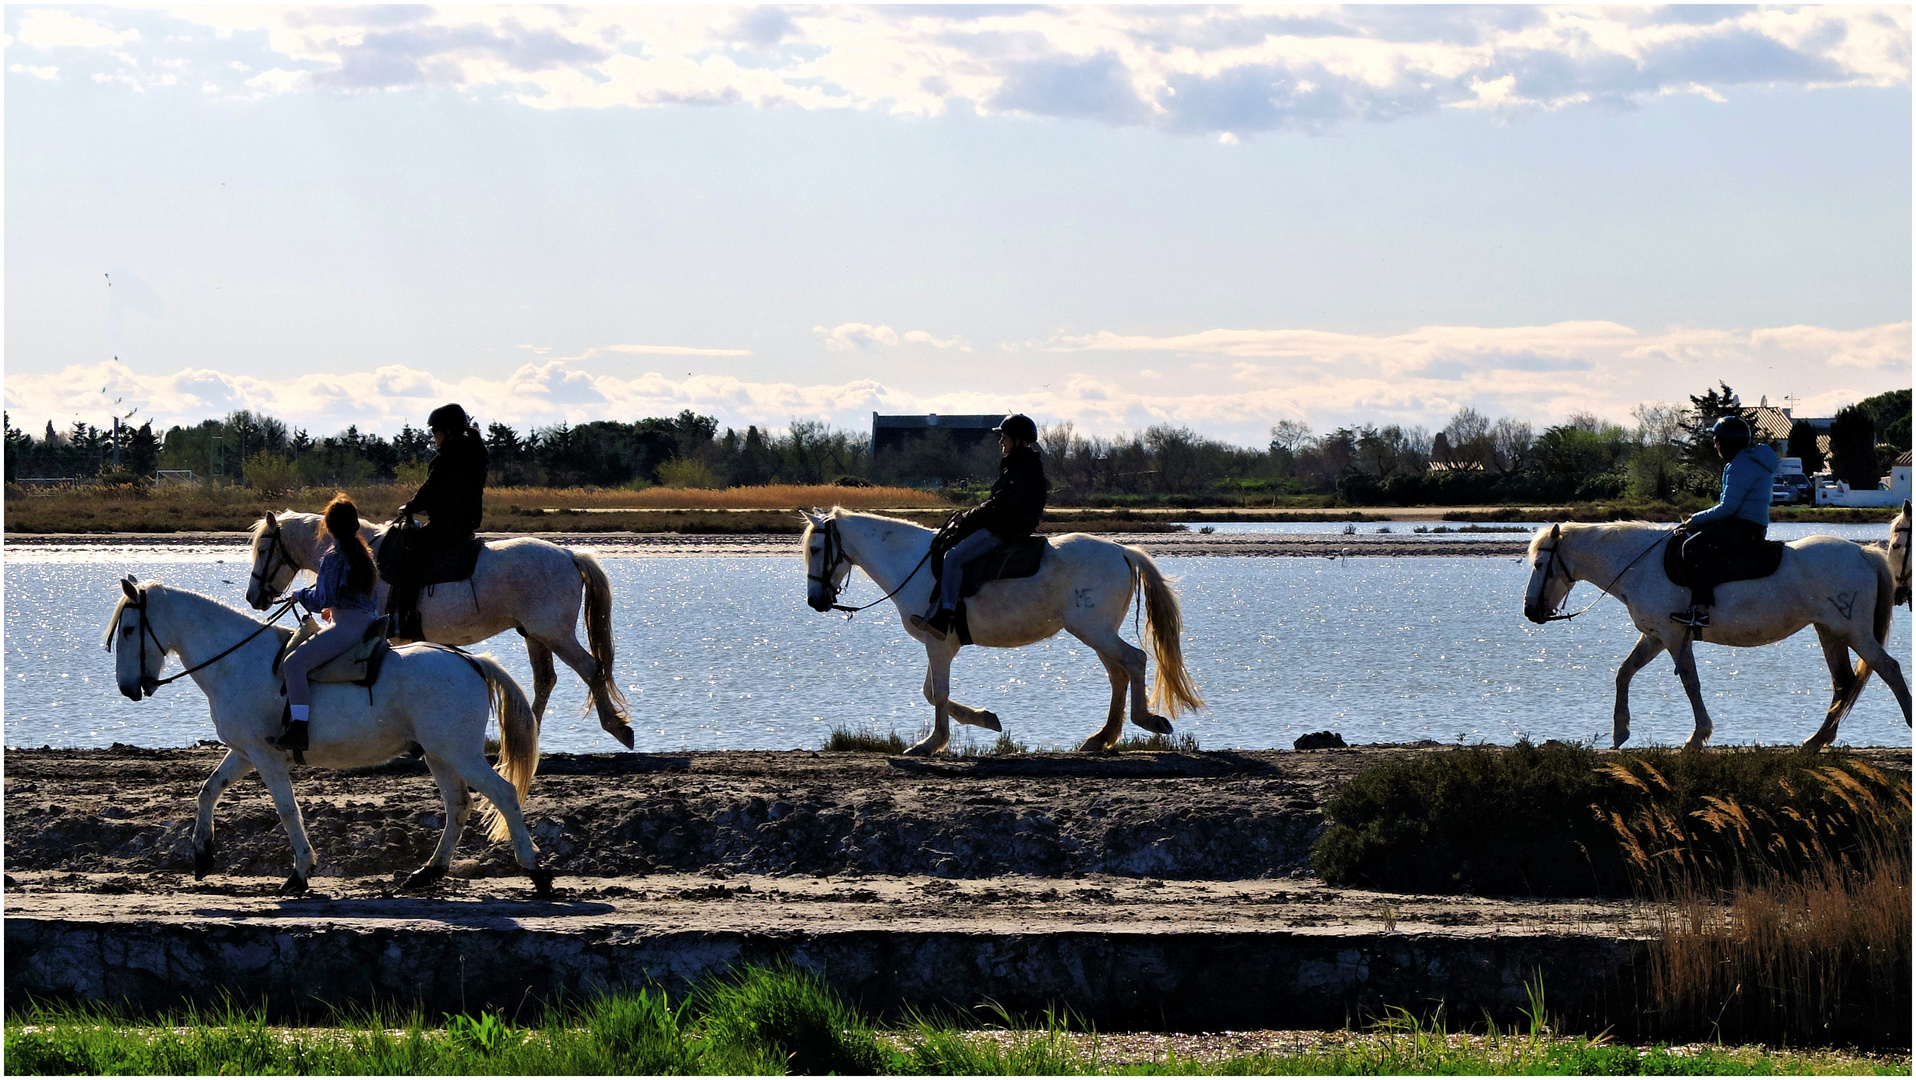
(818, 603)
(1536, 614)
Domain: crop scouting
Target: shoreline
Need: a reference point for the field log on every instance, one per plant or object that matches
(1179, 544)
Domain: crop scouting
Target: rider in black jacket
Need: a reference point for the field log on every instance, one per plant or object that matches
(1010, 513)
(452, 500)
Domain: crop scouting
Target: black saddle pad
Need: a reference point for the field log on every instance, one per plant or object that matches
(397, 555)
(1746, 562)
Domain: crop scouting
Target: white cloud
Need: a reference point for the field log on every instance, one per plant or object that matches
(858, 335)
(1254, 378)
(1225, 72)
(52, 28)
(50, 74)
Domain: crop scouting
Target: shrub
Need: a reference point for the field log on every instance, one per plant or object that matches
(793, 1015)
(269, 473)
(863, 740)
(688, 473)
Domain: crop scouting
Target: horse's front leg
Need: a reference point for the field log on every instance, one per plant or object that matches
(231, 768)
(458, 799)
(1685, 653)
(962, 713)
(937, 691)
(1646, 650)
(272, 773)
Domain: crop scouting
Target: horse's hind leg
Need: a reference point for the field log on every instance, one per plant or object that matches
(1107, 736)
(544, 678)
(1845, 684)
(458, 800)
(938, 680)
(1646, 650)
(231, 768)
(473, 771)
(1692, 686)
(578, 659)
(1113, 649)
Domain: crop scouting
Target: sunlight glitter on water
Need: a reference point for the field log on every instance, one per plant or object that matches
(722, 653)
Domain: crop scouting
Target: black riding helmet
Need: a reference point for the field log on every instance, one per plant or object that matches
(1732, 433)
(1018, 426)
(448, 418)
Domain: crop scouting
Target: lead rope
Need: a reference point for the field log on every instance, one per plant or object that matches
(1605, 590)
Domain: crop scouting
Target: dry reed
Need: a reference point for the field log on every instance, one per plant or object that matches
(1789, 924)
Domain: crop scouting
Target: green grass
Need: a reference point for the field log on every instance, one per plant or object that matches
(779, 1020)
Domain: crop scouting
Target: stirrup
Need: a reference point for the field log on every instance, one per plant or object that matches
(295, 737)
(1696, 616)
(939, 623)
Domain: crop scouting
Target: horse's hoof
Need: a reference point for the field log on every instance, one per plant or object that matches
(621, 731)
(202, 861)
(988, 720)
(1093, 745)
(541, 882)
(424, 878)
(1155, 724)
(294, 885)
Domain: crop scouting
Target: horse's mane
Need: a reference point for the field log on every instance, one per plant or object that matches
(839, 513)
(1600, 529)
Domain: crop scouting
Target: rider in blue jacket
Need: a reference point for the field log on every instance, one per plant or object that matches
(1739, 518)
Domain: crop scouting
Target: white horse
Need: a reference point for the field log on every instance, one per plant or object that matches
(1084, 586)
(523, 584)
(425, 695)
(1841, 588)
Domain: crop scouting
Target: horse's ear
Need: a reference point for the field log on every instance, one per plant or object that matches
(127, 587)
(1556, 532)
(270, 520)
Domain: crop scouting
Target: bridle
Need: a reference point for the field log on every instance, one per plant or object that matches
(1555, 565)
(265, 567)
(136, 601)
(831, 556)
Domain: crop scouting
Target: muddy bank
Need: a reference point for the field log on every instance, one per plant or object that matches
(1216, 816)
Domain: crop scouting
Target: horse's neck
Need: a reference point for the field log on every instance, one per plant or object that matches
(303, 541)
(886, 559)
(1590, 558)
(195, 628)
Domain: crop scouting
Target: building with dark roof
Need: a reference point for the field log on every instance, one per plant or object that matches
(968, 431)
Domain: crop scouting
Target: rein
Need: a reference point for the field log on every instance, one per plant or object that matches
(148, 684)
(834, 550)
(1551, 568)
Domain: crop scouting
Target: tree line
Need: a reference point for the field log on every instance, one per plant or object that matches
(1661, 452)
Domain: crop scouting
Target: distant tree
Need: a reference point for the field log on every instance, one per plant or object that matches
(1803, 446)
(1705, 410)
(1853, 448)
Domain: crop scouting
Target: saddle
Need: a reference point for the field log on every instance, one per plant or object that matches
(1745, 563)
(1017, 559)
(358, 665)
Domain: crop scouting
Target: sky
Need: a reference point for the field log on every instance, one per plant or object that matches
(1110, 216)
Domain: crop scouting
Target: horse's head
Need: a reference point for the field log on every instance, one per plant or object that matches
(1899, 544)
(1550, 579)
(141, 656)
(273, 565)
(826, 564)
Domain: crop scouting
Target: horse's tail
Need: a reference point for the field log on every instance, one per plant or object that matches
(1164, 621)
(598, 631)
(518, 739)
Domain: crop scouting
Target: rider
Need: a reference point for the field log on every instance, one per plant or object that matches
(1739, 518)
(344, 597)
(1009, 514)
(451, 497)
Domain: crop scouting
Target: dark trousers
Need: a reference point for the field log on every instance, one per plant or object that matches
(1703, 553)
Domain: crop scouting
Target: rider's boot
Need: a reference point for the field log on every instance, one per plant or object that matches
(939, 623)
(295, 736)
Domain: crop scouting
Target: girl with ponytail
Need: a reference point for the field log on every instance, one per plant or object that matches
(344, 597)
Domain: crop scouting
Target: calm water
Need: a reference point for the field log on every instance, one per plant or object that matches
(722, 653)
(1782, 530)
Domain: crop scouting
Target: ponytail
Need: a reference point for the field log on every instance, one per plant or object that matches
(341, 522)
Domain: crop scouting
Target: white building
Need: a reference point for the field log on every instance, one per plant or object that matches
(1890, 491)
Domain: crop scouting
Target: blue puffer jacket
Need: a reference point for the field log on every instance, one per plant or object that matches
(1748, 481)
